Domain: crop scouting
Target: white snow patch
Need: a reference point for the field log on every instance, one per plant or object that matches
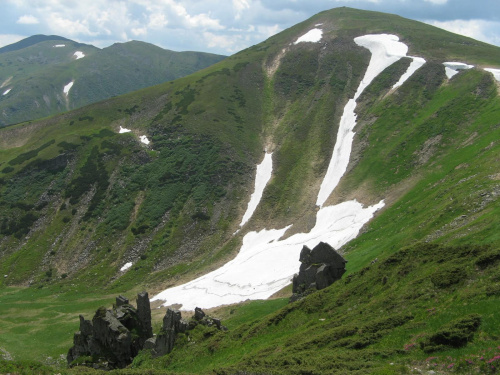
(143, 139)
(6, 91)
(124, 130)
(386, 50)
(451, 68)
(318, 24)
(495, 72)
(262, 177)
(59, 45)
(414, 66)
(79, 54)
(126, 266)
(312, 36)
(68, 87)
(266, 264)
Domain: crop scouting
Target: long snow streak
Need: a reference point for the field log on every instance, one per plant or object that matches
(414, 66)
(386, 50)
(266, 264)
(262, 177)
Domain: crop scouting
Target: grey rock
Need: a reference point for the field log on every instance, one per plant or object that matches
(108, 337)
(121, 300)
(319, 268)
(150, 343)
(198, 313)
(144, 313)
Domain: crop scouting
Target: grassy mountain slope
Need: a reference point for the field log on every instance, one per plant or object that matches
(36, 72)
(78, 201)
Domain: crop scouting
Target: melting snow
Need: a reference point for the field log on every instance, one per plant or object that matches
(126, 266)
(263, 175)
(313, 36)
(79, 54)
(495, 72)
(386, 50)
(143, 138)
(6, 91)
(414, 66)
(60, 45)
(451, 68)
(265, 264)
(124, 130)
(68, 87)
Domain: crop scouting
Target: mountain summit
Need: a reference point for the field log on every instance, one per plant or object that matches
(367, 131)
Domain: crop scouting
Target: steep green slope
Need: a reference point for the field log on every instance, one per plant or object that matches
(34, 74)
(428, 307)
(78, 200)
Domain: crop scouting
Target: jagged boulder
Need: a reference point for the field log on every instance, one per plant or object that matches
(113, 337)
(320, 267)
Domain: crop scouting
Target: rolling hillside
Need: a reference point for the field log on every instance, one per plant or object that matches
(43, 75)
(373, 132)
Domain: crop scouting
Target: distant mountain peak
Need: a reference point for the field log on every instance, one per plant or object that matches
(30, 41)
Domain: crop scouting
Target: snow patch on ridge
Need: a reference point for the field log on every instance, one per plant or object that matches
(262, 177)
(386, 50)
(495, 72)
(124, 130)
(312, 36)
(79, 54)
(6, 91)
(68, 87)
(59, 45)
(414, 66)
(144, 139)
(451, 68)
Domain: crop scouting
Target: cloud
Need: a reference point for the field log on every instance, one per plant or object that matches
(221, 26)
(28, 19)
(239, 6)
(436, 2)
(6, 39)
(485, 31)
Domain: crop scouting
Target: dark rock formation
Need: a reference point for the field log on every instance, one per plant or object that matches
(121, 300)
(113, 337)
(320, 267)
(173, 324)
(144, 313)
(198, 313)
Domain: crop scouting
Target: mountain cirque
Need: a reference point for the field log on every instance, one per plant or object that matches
(377, 135)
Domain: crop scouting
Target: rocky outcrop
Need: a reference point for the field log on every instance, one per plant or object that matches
(320, 267)
(114, 337)
(173, 324)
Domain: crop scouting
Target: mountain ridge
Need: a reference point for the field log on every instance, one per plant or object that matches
(34, 76)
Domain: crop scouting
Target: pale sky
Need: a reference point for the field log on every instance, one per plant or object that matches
(219, 26)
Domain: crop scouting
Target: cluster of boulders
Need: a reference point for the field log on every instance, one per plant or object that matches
(320, 267)
(114, 337)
